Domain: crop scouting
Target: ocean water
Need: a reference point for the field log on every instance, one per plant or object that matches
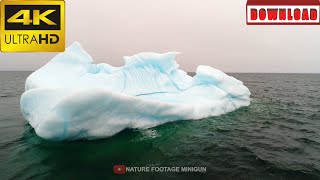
(276, 137)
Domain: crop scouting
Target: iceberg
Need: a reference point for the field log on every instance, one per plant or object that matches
(71, 98)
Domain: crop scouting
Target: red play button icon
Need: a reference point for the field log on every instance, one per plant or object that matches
(119, 169)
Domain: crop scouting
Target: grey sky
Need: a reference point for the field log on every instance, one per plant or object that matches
(206, 32)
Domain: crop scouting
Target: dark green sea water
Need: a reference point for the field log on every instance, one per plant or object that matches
(276, 137)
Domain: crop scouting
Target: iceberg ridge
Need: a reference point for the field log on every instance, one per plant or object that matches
(70, 98)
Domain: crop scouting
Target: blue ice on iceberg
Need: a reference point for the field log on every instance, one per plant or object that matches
(71, 98)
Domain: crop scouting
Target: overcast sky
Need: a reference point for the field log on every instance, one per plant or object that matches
(206, 32)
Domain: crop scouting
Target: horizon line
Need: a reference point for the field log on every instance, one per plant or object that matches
(195, 72)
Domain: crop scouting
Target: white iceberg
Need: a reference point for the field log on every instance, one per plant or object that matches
(70, 98)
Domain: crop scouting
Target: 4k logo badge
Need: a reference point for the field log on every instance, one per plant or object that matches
(32, 26)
